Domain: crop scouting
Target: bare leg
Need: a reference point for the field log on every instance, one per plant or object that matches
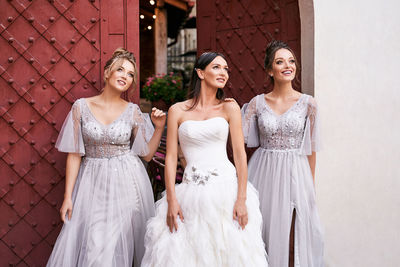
(291, 240)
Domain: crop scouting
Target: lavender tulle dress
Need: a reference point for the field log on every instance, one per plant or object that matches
(280, 171)
(112, 197)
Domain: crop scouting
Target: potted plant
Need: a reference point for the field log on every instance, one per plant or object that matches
(163, 90)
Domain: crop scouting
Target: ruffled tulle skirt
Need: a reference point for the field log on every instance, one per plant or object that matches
(208, 236)
(112, 201)
(284, 182)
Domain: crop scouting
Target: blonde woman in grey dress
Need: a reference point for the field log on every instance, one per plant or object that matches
(108, 196)
(284, 125)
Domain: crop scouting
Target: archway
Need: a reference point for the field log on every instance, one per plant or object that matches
(241, 30)
(306, 10)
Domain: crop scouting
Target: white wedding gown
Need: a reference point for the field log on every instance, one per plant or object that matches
(208, 236)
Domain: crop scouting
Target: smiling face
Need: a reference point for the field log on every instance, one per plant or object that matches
(121, 76)
(215, 74)
(283, 68)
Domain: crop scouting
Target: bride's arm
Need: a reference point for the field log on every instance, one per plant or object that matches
(170, 168)
(240, 159)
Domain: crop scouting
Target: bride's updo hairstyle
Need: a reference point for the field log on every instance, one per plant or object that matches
(270, 52)
(195, 82)
(116, 60)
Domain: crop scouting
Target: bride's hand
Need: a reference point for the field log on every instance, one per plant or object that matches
(240, 213)
(173, 211)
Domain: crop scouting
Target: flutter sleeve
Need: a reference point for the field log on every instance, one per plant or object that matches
(311, 139)
(70, 139)
(143, 131)
(249, 123)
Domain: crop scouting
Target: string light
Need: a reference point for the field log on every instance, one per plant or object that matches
(152, 2)
(149, 27)
(154, 16)
(142, 16)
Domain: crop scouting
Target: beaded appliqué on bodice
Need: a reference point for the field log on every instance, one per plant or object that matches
(285, 131)
(106, 141)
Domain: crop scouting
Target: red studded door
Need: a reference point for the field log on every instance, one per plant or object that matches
(52, 53)
(241, 29)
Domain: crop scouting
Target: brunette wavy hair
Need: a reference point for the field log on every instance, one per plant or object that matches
(270, 52)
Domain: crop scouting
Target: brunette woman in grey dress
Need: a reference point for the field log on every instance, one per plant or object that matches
(284, 125)
(108, 196)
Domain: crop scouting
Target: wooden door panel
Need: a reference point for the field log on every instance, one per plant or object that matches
(52, 54)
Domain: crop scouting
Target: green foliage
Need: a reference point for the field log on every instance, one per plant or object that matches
(167, 87)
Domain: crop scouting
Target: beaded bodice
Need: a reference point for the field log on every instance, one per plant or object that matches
(82, 133)
(104, 141)
(279, 132)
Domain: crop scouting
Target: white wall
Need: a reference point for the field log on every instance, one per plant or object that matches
(357, 85)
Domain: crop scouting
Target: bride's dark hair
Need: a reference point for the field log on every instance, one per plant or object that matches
(195, 82)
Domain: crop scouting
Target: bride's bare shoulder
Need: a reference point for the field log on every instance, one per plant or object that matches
(180, 106)
(177, 111)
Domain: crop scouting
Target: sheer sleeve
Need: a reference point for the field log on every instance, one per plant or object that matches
(70, 139)
(143, 131)
(249, 123)
(311, 139)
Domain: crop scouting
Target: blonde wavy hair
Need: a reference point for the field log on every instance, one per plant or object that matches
(119, 55)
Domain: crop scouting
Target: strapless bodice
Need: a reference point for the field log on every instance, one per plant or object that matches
(203, 144)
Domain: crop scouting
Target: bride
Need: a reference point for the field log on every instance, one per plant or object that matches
(213, 217)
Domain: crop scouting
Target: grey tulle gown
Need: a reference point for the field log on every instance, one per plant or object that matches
(280, 171)
(112, 197)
